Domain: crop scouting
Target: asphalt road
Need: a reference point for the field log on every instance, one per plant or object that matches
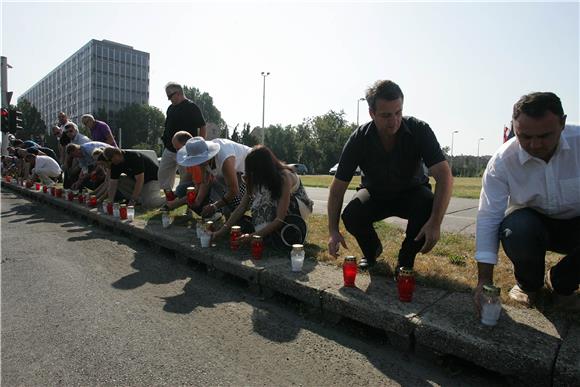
(82, 306)
(460, 217)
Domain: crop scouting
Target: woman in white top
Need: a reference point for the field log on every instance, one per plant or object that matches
(277, 200)
(223, 163)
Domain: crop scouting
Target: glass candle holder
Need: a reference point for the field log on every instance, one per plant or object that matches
(191, 195)
(297, 257)
(123, 211)
(235, 234)
(92, 201)
(349, 271)
(110, 208)
(257, 246)
(406, 284)
(116, 210)
(490, 305)
(130, 213)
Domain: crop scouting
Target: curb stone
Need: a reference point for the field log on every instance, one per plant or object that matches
(525, 345)
(567, 370)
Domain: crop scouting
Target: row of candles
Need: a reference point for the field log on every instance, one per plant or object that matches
(490, 301)
(118, 210)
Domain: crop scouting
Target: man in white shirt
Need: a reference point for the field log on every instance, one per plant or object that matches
(45, 167)
(530, 200)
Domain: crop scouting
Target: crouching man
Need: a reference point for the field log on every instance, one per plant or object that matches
(530, 201)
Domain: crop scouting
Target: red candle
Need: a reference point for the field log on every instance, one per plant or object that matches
(406, 284)
(349, 270)
(58, 192)
(122, 211)
(81, 198)
(44, 189)
(53, 191)
(93, 201)
(169, 196)
(110, 208)
(37, 186)
(257, 246)
(191, 194)
(235, 234)
(71, 196)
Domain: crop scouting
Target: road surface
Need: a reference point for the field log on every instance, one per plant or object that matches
(82, 306)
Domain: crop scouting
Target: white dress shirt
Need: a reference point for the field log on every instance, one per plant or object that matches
(514, 179)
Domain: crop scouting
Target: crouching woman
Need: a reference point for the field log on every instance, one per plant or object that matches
(277, 201)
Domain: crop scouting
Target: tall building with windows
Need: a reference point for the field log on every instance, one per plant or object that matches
(101, 78)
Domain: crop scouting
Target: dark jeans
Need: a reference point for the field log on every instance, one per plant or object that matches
(363, 210)
(526, 235)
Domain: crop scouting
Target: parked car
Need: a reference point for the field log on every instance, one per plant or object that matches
(300, 169)
(332, 171)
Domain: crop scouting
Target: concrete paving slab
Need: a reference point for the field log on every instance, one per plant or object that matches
(523, 345)
(374, 302)
(567, 370)
(304, 286)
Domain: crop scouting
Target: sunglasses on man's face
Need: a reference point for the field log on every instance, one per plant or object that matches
(171, 95)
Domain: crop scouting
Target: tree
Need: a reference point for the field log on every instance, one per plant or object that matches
(331, 131)
(141, 124)
(235, 136)
(247, 137)
(205, 103)
(31, 120)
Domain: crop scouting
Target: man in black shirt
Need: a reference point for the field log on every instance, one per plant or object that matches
(390, 151)
(182, 115)
(140, 184)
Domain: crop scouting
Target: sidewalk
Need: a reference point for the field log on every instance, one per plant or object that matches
(531, 348)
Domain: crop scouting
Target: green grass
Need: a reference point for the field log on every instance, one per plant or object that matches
(463, 187)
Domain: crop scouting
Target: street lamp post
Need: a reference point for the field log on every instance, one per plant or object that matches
(264, 75)
(479, 140)
(451, 159)
(358, 108)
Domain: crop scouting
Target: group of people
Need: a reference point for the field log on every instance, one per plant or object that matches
(530, 198)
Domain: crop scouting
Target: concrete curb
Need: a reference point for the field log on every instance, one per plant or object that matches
(525, 346)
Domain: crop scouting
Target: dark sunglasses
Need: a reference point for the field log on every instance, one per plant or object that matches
(171, 95)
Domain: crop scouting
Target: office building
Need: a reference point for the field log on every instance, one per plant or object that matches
(100, 78)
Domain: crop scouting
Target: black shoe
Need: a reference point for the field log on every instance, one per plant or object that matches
(366, 264)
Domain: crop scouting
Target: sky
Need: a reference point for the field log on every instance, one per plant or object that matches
(461, 65)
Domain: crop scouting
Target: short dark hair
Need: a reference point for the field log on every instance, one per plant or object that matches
(387, 90)
(537, 104)
(70, 148)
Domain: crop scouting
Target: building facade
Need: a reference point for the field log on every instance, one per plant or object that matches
(100, 78)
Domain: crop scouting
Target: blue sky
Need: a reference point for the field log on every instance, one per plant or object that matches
(461, 65)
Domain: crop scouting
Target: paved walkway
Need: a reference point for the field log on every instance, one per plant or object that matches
(460, 216)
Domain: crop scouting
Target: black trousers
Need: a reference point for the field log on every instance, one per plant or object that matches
(363, 210)
(526, 235)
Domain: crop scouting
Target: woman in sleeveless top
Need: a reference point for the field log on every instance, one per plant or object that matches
(276, 198)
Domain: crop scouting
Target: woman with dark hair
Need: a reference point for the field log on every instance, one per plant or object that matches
(276, 198)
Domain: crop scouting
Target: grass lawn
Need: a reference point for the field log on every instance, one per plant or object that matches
(463, 187)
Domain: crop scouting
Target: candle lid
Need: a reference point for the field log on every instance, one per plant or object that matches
(297, 247)
(256, 237)
(236, 228)
(491, 290)
(131, 207)
(406, 271)
(122, 205)
(209, 223)
(189, 189)
(350, 258)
